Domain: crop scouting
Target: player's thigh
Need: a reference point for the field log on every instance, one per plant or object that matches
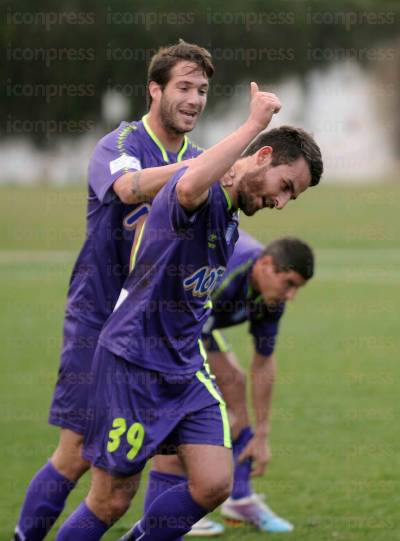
(231, 381)
(70, 441)
(68, 458)
(105, 485)
(69, 407)
(230, 377)
(168, 464)
(69, 445)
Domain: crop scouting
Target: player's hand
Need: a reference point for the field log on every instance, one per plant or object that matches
(262, 106)
(258, 451)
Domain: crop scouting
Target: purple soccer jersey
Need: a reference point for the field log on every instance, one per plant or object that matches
(235, 300)
(96, 281)
(181, 259)
(103, 263)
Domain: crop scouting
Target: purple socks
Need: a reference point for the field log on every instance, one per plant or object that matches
(241, 475)
(44, 501)
(157, 484)
(169, 516)
(82, 525)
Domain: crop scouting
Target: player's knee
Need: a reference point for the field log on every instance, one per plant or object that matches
(109, 507)
(118, 505)
(212, 492)
(236, 381)
(240, 379)
(222, 491)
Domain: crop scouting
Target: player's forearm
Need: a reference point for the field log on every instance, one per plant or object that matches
(138, 186)
(263, 372)
(213, 164)
(193, 187)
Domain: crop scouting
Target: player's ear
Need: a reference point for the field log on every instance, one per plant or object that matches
(264, 155)
(267, 264)
(155, 91)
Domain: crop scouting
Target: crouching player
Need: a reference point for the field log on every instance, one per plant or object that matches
(151, 390)
(257, 283)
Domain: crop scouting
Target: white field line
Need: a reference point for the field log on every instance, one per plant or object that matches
(347, 265)
(9, 257)
(325, 253)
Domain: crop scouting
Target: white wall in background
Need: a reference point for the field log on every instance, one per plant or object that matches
(341, 106)
(344, 106)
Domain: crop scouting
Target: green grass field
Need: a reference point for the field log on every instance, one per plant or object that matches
(335, 438)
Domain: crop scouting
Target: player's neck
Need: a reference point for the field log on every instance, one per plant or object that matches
(170, 141)
(230, 183)
(232, 192)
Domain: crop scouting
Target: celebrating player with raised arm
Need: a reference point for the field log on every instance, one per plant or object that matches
(258, 282)
(151, 390)
(123, 171)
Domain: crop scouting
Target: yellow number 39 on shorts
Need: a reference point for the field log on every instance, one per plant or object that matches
(134, 436)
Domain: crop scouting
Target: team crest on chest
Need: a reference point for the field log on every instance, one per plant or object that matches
(212, 238)
(231, 229)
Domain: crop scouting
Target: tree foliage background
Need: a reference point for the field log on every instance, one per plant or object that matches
(81, 48)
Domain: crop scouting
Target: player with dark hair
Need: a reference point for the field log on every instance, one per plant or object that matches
(255, 288)
(267, 280)
(124, 171)
(151, 390)
(166, 58)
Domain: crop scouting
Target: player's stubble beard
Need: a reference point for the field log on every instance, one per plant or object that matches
(246, 204)
(249, 187)
(168, 118)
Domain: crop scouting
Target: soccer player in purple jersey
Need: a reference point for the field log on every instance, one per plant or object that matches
(257, 283)
(151, 389)
(124, 171)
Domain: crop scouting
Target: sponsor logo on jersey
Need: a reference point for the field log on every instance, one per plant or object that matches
(204, 280)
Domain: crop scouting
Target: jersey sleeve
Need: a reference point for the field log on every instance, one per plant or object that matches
(193, 151)
(115, 154)
(179, 217)
(265, 331)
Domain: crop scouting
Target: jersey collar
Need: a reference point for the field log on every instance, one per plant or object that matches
(227, 197)
(161, 147)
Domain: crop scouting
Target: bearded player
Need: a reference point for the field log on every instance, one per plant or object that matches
(151, 389)
(123, 172)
